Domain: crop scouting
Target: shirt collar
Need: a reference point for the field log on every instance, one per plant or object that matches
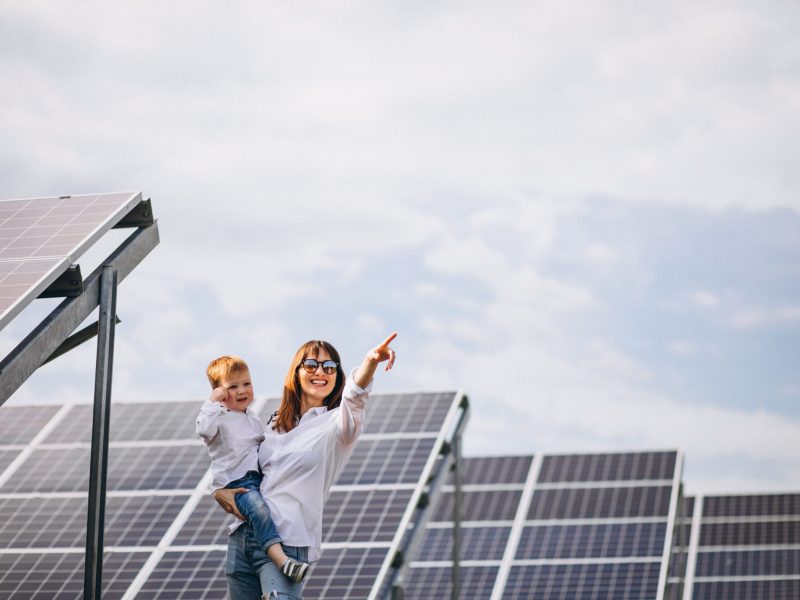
(314, 412)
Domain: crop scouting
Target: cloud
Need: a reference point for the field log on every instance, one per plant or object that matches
(756, 318)
(561, 207)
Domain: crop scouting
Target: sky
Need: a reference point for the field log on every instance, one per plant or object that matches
(584, 215)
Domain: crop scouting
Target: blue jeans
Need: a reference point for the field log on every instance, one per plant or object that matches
(251, 574)
(251, 504)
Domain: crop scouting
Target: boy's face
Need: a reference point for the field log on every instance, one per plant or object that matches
(240, 390)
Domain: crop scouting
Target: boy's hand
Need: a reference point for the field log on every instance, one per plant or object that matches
(220, 395)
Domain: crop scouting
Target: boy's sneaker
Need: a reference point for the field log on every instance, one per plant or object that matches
(294, 569)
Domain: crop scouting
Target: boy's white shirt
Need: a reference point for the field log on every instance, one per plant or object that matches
(300, 466)
(232, 439)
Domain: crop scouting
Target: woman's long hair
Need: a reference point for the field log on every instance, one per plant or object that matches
(289, 410)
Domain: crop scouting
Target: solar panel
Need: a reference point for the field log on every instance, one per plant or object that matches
(41, 237)
(742, 546)
(577, 526)
(164, 536)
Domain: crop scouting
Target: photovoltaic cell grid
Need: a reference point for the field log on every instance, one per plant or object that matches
(156, 464)
(742, 546)
(41, 237)
(562, 526)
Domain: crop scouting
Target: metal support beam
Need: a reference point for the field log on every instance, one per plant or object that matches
(76, 339)
(456, 473)
(93, 569)
(40, 344)
(424, 509)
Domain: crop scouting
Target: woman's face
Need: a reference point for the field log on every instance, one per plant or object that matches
(316, 386)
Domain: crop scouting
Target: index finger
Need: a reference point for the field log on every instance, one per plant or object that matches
(388, 340)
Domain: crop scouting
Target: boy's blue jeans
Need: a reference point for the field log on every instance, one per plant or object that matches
(251, 504)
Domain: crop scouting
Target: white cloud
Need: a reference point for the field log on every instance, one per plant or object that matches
(295, 149)
(705, 299)
(756, 317)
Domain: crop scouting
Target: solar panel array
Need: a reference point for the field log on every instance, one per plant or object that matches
(164, 536)
(41, 237)
(555, 526)
(599, 526)
(738, 547)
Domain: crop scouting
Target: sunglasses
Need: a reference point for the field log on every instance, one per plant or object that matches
(310, 366)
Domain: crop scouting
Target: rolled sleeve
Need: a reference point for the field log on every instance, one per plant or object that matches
(207, 422)
(354, 399)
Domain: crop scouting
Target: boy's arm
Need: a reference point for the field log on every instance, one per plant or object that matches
(210, 415)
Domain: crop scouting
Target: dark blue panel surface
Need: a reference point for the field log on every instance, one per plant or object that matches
(49, 576)
(348, 573)
(386, 461)
(747, 590)
(608, 467)
(600, 502)
(187, 576)
(477, 543)
(155, 467)
(435, 583)
(630, 581)
(585, 541)
(751, 505)
(500, 505)
(748, 562)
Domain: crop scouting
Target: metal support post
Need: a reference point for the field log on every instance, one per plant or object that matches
(456, 472)
(93, 573)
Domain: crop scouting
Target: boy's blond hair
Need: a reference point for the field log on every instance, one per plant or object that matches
(221, 367)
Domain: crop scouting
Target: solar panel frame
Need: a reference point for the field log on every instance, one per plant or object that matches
(43, 269)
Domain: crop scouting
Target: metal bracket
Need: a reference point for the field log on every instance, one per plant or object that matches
(77, 338)
(68, 285)
(140, 215)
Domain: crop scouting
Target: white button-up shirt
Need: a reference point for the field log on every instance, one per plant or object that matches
(300, 466)
(232, 439)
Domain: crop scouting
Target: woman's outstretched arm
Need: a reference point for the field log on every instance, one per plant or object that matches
(381, 353)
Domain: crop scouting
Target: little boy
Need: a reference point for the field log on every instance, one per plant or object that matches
(232, 434)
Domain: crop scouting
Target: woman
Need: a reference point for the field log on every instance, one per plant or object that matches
(308, 439)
